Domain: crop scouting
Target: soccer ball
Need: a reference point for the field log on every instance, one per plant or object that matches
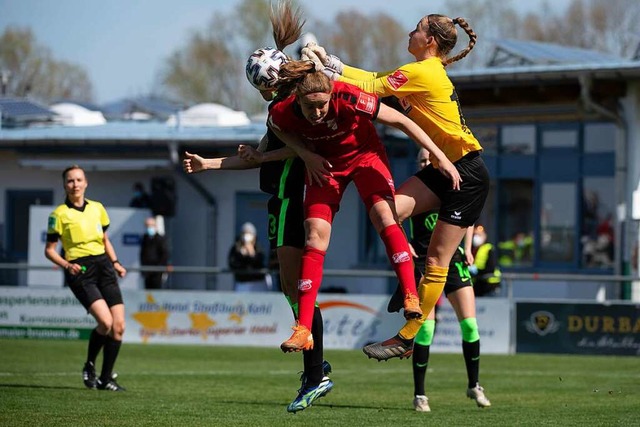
(263, 66)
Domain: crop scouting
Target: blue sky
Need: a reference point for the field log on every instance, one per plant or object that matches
(123, 43)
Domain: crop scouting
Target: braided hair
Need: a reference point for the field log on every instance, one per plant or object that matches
(443, 30)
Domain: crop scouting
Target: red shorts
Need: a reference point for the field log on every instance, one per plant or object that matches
(370, 173)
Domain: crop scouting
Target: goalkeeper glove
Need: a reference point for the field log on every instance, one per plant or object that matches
(328, 60)
(308, 55)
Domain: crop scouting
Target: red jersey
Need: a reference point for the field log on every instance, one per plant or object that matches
(345, 133)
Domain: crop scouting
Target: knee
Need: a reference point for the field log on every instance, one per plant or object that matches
(469, 329)
(104, 326)
(117, 330)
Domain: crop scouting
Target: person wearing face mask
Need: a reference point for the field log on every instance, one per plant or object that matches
(245, 258)
(153, 252)
(485, 272)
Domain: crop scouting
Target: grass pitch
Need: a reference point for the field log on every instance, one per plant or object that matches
(41, 385)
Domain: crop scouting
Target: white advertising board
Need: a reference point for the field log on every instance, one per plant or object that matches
(494, 320)
(227, 318)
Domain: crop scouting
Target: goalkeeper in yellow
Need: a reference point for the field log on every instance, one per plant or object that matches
(425, 93)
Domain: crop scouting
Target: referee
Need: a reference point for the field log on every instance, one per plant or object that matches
(90, 266)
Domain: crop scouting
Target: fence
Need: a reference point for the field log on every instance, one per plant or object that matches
(599, 288)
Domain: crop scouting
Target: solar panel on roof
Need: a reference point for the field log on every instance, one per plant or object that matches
(17, 108)
(534, 52)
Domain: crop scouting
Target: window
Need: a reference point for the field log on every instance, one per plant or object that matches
(488, 138)
(557, 222)
(560, 138)
(596, 239)
(515, 227)
(519, 139)
(600, 137)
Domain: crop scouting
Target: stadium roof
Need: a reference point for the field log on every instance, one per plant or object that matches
(613, 70)
(133, 133)
(510, 52)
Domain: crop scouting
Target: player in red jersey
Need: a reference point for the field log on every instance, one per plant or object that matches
(336, 121)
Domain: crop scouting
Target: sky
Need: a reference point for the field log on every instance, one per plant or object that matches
(122, 44)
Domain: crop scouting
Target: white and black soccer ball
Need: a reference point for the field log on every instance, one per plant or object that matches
(263, 66)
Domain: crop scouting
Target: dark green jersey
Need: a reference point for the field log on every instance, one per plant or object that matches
(284, 178)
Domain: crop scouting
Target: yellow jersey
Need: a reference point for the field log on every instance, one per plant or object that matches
(80, 230)
(427, 97)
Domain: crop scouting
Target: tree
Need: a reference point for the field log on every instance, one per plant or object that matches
(32, 71)
(206, 69)
(366, 41)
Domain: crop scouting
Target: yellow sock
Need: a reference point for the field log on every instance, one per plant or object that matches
(430, 288)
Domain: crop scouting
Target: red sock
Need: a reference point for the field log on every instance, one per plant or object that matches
(400, 257)
(309, 284)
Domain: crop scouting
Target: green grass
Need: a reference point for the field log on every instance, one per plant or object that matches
(40, 384)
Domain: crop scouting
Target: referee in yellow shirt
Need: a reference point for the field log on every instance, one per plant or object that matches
(90, 266)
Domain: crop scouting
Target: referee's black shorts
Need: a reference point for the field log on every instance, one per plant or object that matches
(98, 281)
(460, 207)
(286, 222)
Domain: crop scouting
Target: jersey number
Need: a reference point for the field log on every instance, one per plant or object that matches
(454, 97)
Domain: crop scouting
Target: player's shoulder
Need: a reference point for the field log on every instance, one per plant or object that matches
(280, 104)
(60, 209)
(95, 204)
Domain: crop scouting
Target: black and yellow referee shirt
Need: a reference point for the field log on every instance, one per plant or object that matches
(81, 230)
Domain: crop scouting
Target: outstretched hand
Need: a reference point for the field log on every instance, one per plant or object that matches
(329, 61)
(192, 163)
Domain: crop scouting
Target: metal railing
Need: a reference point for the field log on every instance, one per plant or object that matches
(509, 280)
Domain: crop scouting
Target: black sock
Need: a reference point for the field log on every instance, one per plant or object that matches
(111, 349)
(471, 352)
(96, 342)
(313, 359)
(420, 361)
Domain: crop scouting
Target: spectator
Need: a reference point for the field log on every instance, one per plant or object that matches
(140, 198)
(245, 258)
(153, 252)
(484, 271)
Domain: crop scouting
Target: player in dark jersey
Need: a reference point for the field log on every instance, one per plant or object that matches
(458, 289)
(90, 266)
(336, 120)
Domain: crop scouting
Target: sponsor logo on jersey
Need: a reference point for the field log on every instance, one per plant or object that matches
(331, 124)
(366, 102)
(399, 257)
(304, 284)
(456, 215)
(397, 79)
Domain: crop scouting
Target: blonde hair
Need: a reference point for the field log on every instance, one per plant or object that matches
(443, 30)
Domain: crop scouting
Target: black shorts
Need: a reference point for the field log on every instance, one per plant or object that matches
(286, 222)
(98, 281)
(460, 207)
(458, 276)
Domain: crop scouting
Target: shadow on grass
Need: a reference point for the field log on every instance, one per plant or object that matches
(36, 386)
